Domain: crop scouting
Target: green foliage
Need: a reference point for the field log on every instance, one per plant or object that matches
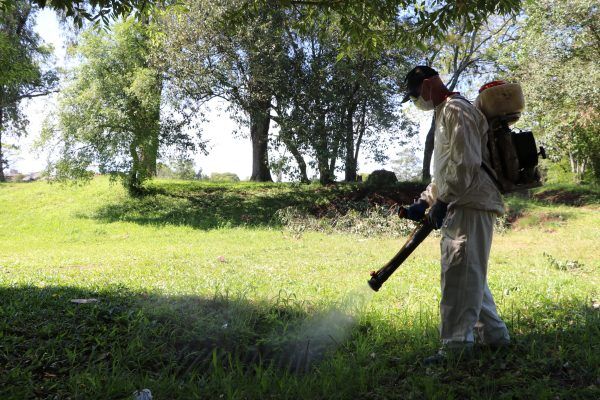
(25, 70)
(331, 96)
(207, 53)
(365, 24)
(556, 62)
(332, 108)
(382, 177)
(407, 166)
(568, 265)
(224, 177)
(179, 169)
(110, 113)
(105, 11)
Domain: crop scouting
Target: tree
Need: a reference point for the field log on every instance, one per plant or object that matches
(330, 106)
(304, 99)
(110, 114)
(407, 166)
(93, 10)
(355, 13)
(181, 168)
(25, 70)
(556, 61)
(211, 52)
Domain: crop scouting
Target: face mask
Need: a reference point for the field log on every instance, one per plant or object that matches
(422, 104)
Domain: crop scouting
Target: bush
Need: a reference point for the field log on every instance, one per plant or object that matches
(224, 177)
(18, 178)
(382, 177)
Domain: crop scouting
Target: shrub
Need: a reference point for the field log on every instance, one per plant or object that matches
(382, 177)
(224, 177)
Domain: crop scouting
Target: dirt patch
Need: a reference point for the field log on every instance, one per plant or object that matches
(556, 196)
(547, 220)
(366, 197)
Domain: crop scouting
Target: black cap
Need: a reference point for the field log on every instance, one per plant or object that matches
(415, 78)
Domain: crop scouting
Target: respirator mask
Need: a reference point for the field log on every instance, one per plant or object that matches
(420, 102)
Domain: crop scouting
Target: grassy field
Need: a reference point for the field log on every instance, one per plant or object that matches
(200, 293)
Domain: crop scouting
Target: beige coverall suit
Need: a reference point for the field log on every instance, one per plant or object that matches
(473, 204)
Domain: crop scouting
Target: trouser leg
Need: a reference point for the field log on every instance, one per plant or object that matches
(491, 328)
(465, 247)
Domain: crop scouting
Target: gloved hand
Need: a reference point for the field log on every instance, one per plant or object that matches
(416, 211)
(437, 213)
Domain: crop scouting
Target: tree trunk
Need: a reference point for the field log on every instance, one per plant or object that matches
(361, 127)
(429, 143)
(335, 149)
(573, 163)
(133, 181)
(324, 172)
(322, 150)
(298, 157)
(2, 177)
(260, 120)
(149, 149)
(149, 153)
(350, 161)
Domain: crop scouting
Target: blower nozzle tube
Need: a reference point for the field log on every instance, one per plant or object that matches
(379, 277)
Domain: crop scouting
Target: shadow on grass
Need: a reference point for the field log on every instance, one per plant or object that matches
(210, 206)
(195, 347)
(111, 342)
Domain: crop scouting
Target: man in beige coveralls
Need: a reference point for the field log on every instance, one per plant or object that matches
(463, 201)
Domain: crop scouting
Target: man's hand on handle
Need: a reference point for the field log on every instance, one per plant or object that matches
(416, 212)
(437, 213)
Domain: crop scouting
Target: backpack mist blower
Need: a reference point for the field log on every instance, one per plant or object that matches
(514, 159)
(423, 230)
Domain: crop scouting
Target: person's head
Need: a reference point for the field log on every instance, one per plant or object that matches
(424, 87)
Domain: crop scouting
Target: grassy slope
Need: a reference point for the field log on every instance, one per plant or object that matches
(192, 291)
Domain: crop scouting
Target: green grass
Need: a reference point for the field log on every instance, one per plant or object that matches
(202, 294)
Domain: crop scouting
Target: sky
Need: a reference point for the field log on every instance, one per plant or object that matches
(227, 153)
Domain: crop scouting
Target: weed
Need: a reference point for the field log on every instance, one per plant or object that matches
(567, 265)
(368, 222)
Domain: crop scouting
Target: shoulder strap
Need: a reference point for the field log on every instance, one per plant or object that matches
(492, 176)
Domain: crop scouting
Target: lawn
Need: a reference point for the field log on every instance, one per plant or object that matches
(199, 291)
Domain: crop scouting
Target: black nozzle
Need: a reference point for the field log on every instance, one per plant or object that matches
(375, 284)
